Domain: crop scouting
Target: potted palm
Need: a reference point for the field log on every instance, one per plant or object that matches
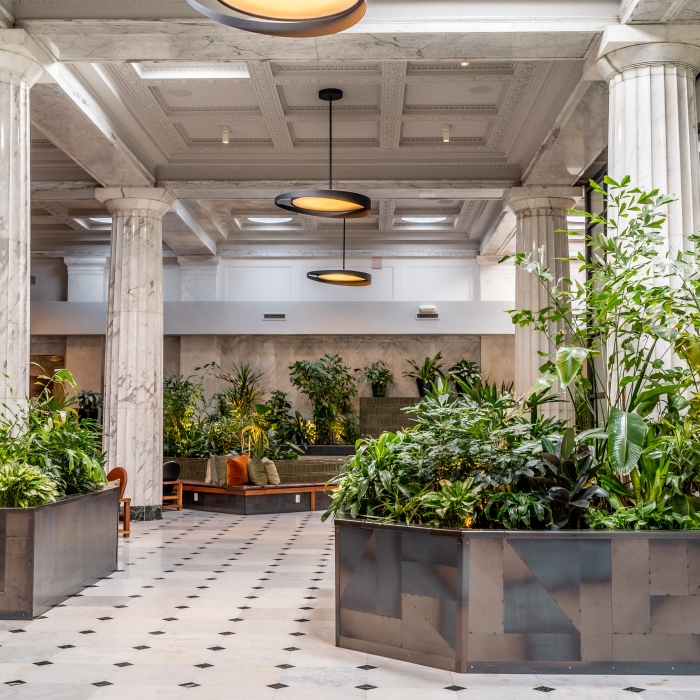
(427, 373)
(379, 375)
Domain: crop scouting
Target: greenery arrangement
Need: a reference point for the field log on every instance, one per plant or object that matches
(379, 376)
(427, 373)
(89, 404)
(46, 449)
(482, 457)
(331, 387)
(466, 370)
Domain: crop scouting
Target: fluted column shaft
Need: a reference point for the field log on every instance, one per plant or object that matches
(17, 74)
(653, 134)
(133, 401)
(541, 213)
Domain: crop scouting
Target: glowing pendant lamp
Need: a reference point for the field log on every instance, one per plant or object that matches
(330, 203)
(343, 278)
(292, 18)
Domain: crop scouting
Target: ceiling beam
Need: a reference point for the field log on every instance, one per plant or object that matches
(74, 121)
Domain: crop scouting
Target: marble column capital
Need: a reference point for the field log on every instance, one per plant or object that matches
(21, 57)
(79, 263)
(155, 200)
(544, 200)
(658, 54)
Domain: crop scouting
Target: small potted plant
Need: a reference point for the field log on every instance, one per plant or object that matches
(465, 372)
(426, 373)
(89, 405)
(379, 375)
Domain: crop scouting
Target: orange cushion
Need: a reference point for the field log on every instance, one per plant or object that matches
(237, 470)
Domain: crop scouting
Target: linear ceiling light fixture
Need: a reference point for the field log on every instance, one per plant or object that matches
(300, 18)
(330, 203)
(342, 278)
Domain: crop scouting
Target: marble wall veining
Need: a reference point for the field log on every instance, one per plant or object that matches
(17, 74)
(133, 400)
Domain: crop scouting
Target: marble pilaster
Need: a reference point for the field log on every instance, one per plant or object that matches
(653, 121)
(540, 212)
(198, 277)
(133, 401)
(18, 72)
(86, 277)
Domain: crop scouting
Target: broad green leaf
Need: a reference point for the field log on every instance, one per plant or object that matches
(689, 348)
(568, 443)
(544, 382)
(626, 434)
(683, 504)
(569, 362)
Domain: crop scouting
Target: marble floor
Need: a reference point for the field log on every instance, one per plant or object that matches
(209, 606)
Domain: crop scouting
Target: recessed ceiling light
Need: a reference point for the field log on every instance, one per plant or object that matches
(174, 70)
(423, 219)
(269, 219)
(465, 64)
(101, 219)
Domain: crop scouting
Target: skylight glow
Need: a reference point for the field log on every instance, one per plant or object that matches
(423, 219)
(269, 219)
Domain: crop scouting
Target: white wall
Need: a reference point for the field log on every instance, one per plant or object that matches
(51, 279)
(400, 279)
(171, 279)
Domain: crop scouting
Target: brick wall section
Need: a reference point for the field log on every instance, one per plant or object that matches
(381, 415)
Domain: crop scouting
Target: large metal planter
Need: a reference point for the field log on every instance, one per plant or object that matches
(49, 553)
(520, 602)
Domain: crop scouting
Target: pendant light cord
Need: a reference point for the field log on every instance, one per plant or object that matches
(330, 145)
(344, 222)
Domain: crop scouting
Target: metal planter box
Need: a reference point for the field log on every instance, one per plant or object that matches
(49, 553)
(492, 601)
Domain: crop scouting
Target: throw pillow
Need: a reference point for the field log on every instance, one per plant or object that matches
(256, 472)
(237, 470)
(271, 470)
(219, 469)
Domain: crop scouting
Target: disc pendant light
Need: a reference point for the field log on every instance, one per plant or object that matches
(298, 18)
(330, 203)
(343, 278)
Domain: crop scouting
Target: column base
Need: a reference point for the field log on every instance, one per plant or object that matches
(141, 513)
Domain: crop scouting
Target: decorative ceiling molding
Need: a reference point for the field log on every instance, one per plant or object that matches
(270, 105)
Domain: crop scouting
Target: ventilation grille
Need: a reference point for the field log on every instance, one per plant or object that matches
(427, 317)
(274, 317)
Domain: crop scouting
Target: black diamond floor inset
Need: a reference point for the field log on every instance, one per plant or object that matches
(367, 667)
(204, 665)
(123, 664)
(632, 689)
(66, 646)
(189, 685)
(102, 684)
(42, 663)
(277, 686)
(216, 648)
(366, 686)
(454, 687)
(142, 647)
(297, 634)
(292, 649)
(285, 666)
(545, 689)
(14, 682)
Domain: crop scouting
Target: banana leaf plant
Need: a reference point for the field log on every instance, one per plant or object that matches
(570, 485)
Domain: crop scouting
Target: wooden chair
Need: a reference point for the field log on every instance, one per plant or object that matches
(172, 486)
(119, 474)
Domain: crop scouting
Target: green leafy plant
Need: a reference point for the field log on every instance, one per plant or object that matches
(244, 387)
(517, 509)
(643, 516)
(466, 371)
(453, 506)
(378, 373)
(429, 371)
(89, 404)
(48, 434)
(331, 387)
(24, 486)
(569, 485)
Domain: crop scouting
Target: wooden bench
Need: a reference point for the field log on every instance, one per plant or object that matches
(252, 500)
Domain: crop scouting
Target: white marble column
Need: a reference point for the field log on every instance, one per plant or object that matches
(87, 277)
(541, 212)
(198, 277)
(133, 401)
(17, 74)
(653, 134)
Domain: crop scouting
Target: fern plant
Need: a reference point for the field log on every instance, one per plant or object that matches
(24, 486)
